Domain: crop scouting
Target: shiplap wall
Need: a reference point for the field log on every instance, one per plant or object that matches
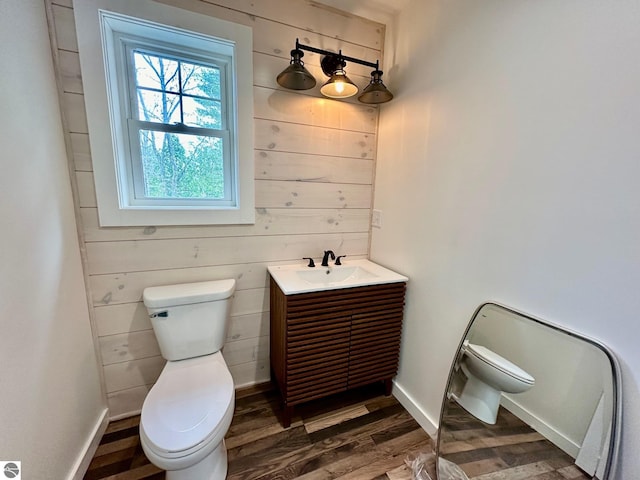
(314, 161)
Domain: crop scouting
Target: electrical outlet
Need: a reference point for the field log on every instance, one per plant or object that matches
(376, 218)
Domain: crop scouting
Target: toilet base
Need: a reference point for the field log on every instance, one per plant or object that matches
(479, 399)
(211, 467)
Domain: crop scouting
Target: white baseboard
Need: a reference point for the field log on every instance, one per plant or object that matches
(86, 455)
(407, 401)
(554, 436)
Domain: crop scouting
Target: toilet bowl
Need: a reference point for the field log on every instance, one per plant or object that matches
(188, 411)
(488, 375)
(185, 417)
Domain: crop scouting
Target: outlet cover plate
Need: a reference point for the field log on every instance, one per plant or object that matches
(376, 218)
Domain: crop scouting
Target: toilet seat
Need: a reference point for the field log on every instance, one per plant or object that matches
(502, 364)
(189, 407)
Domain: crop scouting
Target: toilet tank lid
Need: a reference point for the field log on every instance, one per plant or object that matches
(187, 293)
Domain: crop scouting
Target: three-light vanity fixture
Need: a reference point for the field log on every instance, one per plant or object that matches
(296, 77)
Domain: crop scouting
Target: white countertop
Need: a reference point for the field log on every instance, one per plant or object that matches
(300, 278)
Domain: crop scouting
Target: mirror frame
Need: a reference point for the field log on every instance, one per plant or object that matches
(616, 380)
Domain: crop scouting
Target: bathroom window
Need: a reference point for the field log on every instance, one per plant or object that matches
(178, 128)
(179, 104)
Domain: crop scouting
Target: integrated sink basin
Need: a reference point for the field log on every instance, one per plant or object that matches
(294, 279)
(334, 274)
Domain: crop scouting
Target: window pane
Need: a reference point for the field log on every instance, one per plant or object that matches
(156, 72)
(182, 166)
(158, 107)
(200, 81)
(202, 113)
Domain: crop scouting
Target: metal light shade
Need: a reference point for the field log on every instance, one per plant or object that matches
(375, 92)
(339, 86)
(295, 76)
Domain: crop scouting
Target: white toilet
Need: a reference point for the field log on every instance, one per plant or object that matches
(188, 411)
(488, 375)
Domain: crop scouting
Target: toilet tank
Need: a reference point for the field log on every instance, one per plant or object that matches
(190, 319)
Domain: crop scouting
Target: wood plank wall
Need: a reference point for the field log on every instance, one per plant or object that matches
(314, 160)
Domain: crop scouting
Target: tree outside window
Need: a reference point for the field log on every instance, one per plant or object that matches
(181, 127)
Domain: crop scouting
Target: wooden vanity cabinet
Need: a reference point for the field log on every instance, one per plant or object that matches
(327, 342)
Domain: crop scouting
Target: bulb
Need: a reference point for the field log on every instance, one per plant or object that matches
(339, 87)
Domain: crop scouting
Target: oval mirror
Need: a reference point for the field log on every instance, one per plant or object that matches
(528, 400)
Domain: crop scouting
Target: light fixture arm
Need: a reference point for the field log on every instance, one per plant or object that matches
(300, 46)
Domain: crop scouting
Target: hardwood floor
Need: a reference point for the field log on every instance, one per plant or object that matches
(357, 435)
(510, 449)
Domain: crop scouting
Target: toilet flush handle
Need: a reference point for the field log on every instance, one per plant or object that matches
(163, 314)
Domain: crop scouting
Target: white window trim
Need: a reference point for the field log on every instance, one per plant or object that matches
(103, 147)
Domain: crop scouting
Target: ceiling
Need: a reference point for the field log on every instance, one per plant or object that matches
(387, 5)
(378, 10)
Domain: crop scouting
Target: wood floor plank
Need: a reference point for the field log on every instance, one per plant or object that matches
(122, 444)
(403, 472)
(525, 472)
(120, 434)
(267, 451)
(480, 442)
(411, 440)
(362, 423)
(375, 469)
(549, 476)
(571, 472)
(137, 473)
(339, 416)
(252, 420)
(111, 458)
(379, 402)
(511, 439)
(123, 424)
(239, 439)
(484, 466)
(317, 458)
(398, 431)
(108, 470)
(342, 467)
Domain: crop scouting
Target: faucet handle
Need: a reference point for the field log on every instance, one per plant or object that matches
(311, 262)
(338, 262)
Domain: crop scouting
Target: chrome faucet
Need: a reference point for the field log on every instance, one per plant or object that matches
(325, 259)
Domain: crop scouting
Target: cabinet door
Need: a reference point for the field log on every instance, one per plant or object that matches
(325, 342)
(317, 356)
(375, 338)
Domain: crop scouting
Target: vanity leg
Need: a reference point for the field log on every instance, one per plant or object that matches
(387, 386)
(287, 413)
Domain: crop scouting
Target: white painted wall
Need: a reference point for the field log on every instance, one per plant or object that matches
(508, 169)
(51, 400)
